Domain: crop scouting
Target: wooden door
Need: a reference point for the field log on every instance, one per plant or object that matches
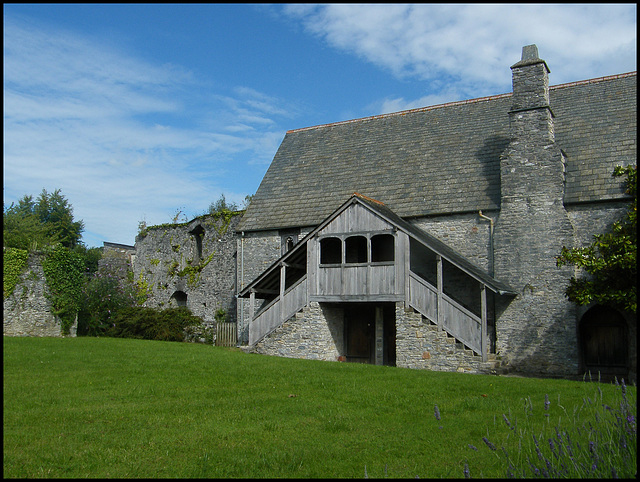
(359, 334)
(604, 339)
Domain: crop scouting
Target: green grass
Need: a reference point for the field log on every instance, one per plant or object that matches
(106, 407)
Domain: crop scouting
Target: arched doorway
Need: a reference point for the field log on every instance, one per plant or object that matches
(604, 342)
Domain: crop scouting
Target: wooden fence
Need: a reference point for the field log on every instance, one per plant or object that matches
(226, 334)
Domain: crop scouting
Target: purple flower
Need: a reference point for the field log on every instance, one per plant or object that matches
(466, 471)
(546, 401)
(473, 447)
(437, 413)
(506, 420)
(489, 444)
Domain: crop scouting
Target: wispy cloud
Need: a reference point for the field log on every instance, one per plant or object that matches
(462, 51)
(119, 135)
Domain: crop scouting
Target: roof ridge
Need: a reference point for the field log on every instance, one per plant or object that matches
(594, 80)
(459, 102)
(367, 198)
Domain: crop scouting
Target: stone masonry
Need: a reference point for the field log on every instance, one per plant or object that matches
(191, 264)
(27, 312)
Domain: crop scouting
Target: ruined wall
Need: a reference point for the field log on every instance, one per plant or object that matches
(27, 311)
(191, 264)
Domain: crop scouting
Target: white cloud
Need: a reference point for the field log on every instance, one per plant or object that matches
(472, 46)
(124, 139)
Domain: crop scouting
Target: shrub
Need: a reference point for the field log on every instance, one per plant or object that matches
(109, 290)
(152, 324)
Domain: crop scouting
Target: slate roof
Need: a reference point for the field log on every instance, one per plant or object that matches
(444, 159)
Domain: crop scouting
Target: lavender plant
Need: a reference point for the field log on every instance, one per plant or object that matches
(596, 440)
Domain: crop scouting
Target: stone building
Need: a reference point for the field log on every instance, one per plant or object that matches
(191, 264)
(427, 238)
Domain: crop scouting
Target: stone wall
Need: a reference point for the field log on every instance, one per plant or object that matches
(315, 333)
(191, 264)
(256, 252)
(27, 311)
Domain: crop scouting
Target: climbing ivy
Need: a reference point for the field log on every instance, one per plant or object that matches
(14, 261)
(193, 272)
(64, 272)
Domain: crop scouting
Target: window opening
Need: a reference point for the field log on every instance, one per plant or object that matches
(330, 251)
(382, 248)
(355, 249)
(180, 297)
(198, 234)
(288, 239)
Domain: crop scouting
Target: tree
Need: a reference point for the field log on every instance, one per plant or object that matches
(222, 205)
(610, 261)
(48, 220)
(23, 230)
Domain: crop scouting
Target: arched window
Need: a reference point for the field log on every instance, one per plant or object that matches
(382, 248)
(355, 248)
(289, 244)
(330, 251)
(180, 298)
(198, 234)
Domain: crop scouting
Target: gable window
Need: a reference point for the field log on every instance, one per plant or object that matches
(330, 251)
(355, 248)
(382, 248)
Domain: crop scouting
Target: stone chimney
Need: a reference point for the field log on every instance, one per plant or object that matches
(532, 152)
(533, 226)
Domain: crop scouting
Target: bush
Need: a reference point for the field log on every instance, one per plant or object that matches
(109, 290)
(152, 324)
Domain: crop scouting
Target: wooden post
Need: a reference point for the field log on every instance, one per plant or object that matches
(440, 288)
(379, 336)
(252, 304)
(483, 314)
(283, 273)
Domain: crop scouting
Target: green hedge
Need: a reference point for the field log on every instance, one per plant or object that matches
(152, 324)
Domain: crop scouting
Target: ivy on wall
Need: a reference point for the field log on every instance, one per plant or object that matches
(193, 272)
(64, 272)
(14, 261)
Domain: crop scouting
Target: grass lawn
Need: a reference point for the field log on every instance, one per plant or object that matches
(107, 407)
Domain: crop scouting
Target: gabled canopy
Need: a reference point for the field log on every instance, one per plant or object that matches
(269, 281)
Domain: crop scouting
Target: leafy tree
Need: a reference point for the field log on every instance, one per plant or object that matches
(23, 230)
(56, 213)
(610, 261)
(90, 257)
(48, 220)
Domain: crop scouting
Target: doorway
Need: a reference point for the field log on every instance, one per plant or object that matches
(366, 327)
(604, 342)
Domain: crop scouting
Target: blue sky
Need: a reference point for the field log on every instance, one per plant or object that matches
(144, 112)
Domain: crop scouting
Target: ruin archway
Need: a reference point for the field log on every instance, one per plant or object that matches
(180, 298)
